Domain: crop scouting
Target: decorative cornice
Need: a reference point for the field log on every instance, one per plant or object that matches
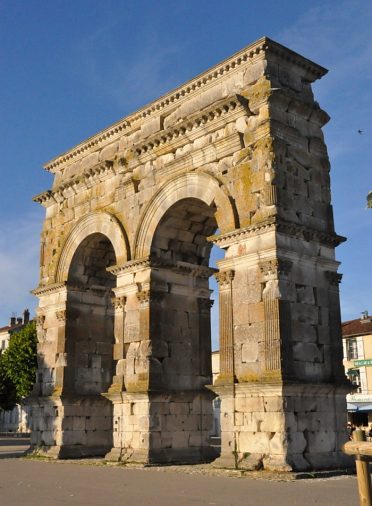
(224, 240)
(199, 271)
(182, 93)
(48, 289)
(45, 198)
(71, 187)
(131, 266)
(273, 223)
(184, 127)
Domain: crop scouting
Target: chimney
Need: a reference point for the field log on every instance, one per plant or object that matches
(12, 321)
(26, 316)
(19, 320)
(364, 315)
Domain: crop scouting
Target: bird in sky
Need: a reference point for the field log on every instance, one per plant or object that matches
(360, 131)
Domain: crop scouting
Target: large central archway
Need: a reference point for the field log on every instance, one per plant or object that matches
(180, 329)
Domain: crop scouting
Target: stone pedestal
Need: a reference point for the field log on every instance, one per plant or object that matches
(71, 427)
(294, 427)
(162, 428)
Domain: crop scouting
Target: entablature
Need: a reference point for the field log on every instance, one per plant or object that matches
(216, 74)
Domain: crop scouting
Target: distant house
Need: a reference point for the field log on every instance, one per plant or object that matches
(17, 419)
(15, 324)
(357, 343)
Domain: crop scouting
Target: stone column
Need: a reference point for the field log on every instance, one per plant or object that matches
(334, 316)
(61, 362)
(119, 303)
(205, 352)
(227, 374)
(277, 319)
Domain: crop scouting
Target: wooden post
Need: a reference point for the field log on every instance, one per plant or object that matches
(363, 475)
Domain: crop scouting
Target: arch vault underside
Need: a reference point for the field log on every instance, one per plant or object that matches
(234, 158)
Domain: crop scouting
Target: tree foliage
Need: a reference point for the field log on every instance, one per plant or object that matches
(18, 364)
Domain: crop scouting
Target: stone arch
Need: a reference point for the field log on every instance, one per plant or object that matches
(195, 185)
(96, 222)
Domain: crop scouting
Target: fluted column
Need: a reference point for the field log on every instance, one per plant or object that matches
(277, 321)
(60, 383)
(227, 373)
(119, 303)
(334, 279)
(144, 314)
(205, 349)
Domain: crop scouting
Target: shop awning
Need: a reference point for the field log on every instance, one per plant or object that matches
(354, 407)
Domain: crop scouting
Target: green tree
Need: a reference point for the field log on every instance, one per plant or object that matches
(7, 389)
(18, 364)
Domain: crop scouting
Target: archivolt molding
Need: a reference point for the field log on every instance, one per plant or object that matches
(196, 185)
(93, 223)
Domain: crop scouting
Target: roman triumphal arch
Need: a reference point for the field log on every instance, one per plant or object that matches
(236, 158)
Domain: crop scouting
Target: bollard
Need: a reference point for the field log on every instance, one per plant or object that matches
(363, 475)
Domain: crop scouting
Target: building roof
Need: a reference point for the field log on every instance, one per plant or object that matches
(357, 327)
(12, 328)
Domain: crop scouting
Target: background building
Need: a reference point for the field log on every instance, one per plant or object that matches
(15, 324)
(16, 419)
(357, 343)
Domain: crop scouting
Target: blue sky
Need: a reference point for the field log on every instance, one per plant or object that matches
(69, 69)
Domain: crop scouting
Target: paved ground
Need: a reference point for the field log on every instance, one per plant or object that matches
(39, 483)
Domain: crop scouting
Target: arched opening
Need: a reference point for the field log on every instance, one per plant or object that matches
(180, 317)
(90, 339)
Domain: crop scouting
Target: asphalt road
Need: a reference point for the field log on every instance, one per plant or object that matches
(39, 483)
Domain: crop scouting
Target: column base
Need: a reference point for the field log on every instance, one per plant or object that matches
(71, 427)
(163, 427)
(282, 427)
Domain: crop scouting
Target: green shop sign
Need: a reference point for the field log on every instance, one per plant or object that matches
(360, 363)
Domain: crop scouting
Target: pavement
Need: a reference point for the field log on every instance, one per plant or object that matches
(94, 483)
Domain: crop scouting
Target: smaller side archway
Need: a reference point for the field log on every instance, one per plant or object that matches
(94, 223)
(86, 336)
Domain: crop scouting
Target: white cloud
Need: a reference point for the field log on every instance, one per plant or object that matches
(19, 264)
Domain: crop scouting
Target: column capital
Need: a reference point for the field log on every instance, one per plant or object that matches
(275, 267)
(224, 278)
(119, 302)
(205, 304)
(334, 278)
(61, 315)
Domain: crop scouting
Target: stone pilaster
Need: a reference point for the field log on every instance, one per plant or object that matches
(225, 279)
(276, 318)
(334, 315)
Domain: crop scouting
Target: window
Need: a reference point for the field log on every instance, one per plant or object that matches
(354, 377)
(351, 349)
